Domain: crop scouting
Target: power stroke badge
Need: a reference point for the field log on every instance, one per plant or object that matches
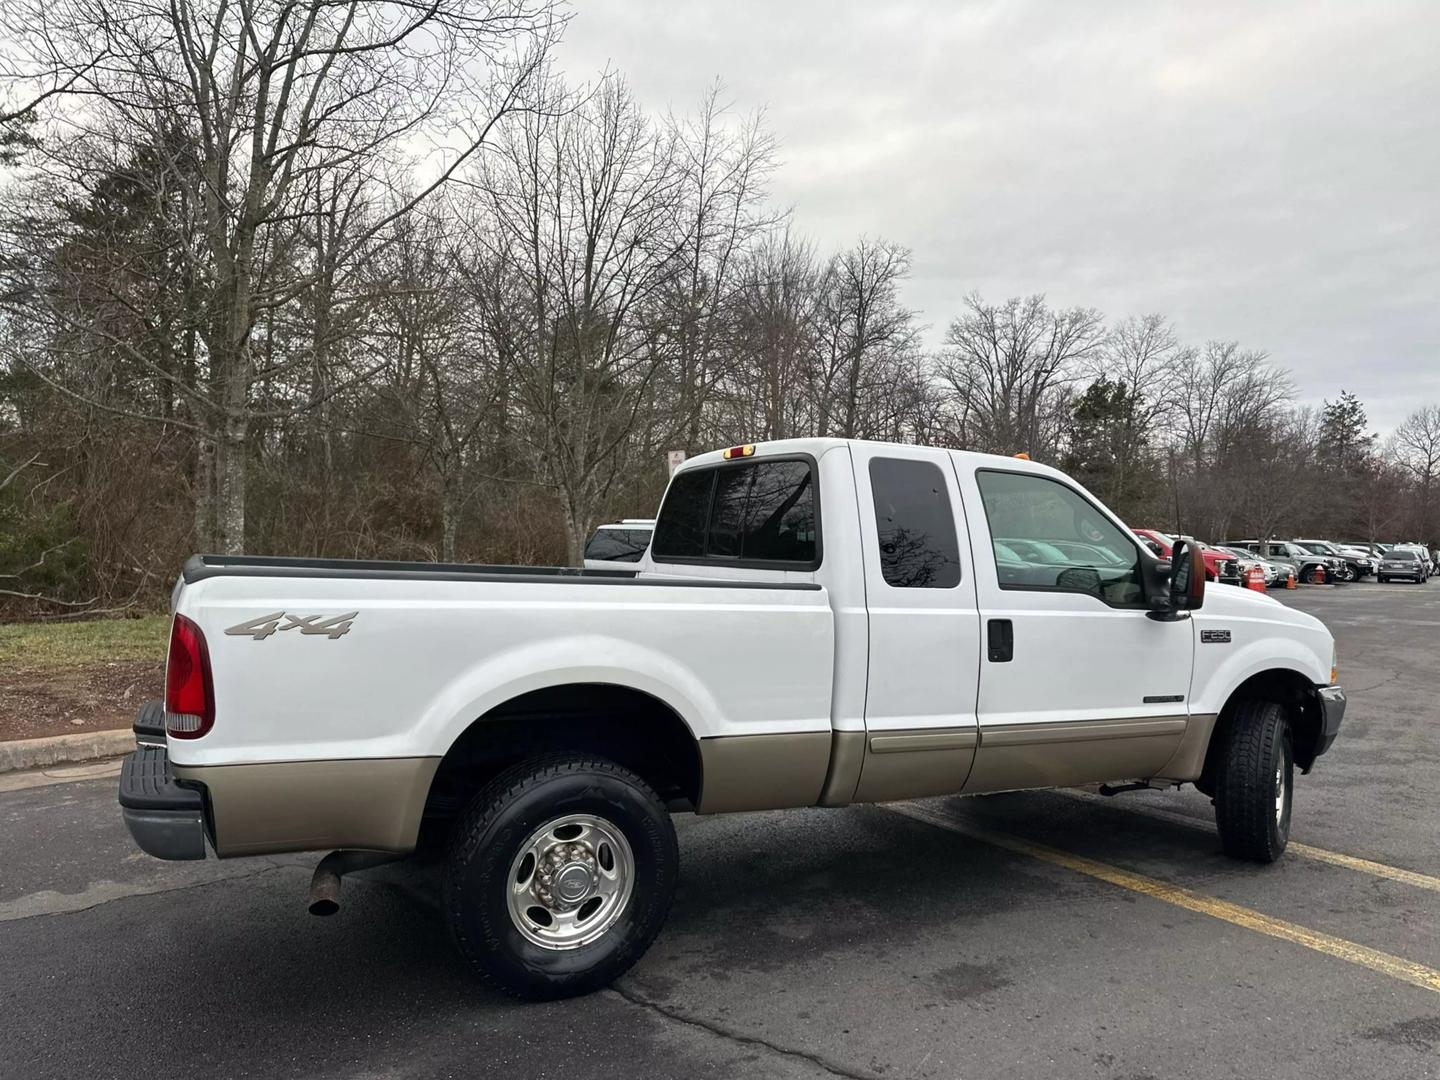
(332, 626)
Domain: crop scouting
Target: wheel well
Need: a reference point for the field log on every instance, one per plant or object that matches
(628, 726)
(1288, 688)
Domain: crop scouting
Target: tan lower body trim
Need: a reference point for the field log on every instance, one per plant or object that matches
(923, 740)
(374, 804)
(763, 772)
(1082, 731)
(1081, 752)
(916, 763)
(1188, 761)
(847, 753)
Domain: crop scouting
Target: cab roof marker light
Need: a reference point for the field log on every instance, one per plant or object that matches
(748, 450)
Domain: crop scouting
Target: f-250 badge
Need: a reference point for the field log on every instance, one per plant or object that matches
(1215, 637)
(333, 626)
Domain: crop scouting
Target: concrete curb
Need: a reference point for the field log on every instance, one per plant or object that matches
(63, 749)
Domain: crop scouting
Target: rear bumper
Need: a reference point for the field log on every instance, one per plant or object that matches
(165, 819)
(1332, 711)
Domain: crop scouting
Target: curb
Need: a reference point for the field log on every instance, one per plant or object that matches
(64, 749)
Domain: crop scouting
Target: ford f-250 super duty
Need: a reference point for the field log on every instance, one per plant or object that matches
(816, 622)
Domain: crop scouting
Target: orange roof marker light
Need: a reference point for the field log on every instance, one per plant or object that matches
(739, 451)
(1023, 456)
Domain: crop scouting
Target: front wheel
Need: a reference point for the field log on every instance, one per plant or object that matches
(1308, 575)
(559, 876)
(1253, 787)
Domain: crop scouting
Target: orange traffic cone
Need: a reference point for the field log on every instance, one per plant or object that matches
(1319, 578)
(1290, 580)
(1256, 578)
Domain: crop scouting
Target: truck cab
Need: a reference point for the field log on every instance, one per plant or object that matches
(967, 589)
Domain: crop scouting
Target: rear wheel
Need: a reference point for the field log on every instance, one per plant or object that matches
(559, 876)
(1253, 787)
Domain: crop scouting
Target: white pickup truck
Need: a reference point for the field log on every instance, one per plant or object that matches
(817, 622)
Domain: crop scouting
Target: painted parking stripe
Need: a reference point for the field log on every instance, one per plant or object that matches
(1394, 966)
(1335, 858)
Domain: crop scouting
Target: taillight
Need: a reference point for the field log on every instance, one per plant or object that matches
(189, 694)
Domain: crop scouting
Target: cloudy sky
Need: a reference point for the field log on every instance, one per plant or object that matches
(1267, 172)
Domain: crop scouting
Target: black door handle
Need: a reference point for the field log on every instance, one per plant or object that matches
(1000, 637)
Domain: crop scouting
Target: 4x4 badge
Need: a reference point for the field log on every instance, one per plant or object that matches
(333, 626)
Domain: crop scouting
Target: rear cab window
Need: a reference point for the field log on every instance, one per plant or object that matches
(761, 513)
(915, 524)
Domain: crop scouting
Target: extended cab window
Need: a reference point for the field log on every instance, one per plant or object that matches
(918, 546)
(1046, 536)
(758, 512)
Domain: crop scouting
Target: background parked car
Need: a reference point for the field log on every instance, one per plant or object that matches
(623, 542)
(1216, 568)
(1421, 552)
(1303, 562)
(1357, 564)
(1276, 574)
(1403, 562)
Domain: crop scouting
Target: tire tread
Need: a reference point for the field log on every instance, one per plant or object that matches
(1244, 786)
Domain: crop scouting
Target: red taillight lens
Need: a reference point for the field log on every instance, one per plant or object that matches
(189, 695)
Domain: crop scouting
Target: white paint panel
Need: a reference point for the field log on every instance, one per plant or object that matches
(423, 659)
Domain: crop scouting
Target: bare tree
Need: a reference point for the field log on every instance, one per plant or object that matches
(587, 203)
(236, 109)
(862, 327)
(1229, 401)
(776, 338)
(1008, 367)
(1416, 447)
(726, 170)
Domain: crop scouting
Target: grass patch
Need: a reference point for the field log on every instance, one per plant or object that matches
(42, 646)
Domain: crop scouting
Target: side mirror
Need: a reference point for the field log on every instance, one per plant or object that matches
(1185, 590)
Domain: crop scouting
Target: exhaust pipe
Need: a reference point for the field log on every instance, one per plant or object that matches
(325, 882)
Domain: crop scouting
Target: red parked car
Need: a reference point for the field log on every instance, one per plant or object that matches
(1215, 561)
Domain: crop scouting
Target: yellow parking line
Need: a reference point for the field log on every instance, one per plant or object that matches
(1336, 858)
(1396, 967)
(1366, 866)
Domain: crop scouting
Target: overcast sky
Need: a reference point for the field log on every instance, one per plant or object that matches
(1267, 172)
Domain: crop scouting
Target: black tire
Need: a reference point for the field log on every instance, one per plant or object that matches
(1257, 757)
(490, 835)
(1307, 575)
(1381, 579)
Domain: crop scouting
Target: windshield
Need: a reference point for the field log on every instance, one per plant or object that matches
(1168, 541)
(1319, 547)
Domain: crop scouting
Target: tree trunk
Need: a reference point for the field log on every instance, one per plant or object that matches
(449, 518)
(204, 493)
(579, 523)
(230, 486)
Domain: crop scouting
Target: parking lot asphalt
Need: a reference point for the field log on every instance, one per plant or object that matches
(1047, 934)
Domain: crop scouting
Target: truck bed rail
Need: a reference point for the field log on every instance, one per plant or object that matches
(200, 567)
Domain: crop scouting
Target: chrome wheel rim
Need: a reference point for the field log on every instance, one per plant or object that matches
(570, 881)
(1280, 794)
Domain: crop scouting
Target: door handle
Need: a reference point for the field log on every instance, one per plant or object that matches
(1000, 638)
